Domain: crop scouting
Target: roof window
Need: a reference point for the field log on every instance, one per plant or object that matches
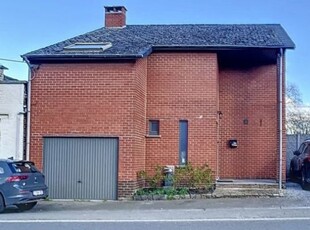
(88, 46)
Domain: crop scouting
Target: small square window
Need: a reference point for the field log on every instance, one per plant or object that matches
(154, 127)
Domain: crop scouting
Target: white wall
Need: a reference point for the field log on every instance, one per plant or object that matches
(11, 122)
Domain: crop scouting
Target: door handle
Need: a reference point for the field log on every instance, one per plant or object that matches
(79, 181)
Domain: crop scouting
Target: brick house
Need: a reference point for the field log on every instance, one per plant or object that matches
(125, 98)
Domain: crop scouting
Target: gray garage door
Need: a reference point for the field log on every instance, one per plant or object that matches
(81, 168)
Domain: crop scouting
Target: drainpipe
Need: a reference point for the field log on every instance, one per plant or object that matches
(28, 109)
(280, 77)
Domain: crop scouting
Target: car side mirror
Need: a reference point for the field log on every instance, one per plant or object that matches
(296, 153)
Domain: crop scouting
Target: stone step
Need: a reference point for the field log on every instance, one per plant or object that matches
(246, 188)
(247, 184)
(245, 192)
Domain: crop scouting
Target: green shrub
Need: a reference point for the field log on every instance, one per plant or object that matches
(154, 181)
(193, 177)
(140, 192)
(170, 192)
(186, 176)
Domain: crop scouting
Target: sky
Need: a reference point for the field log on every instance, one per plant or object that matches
(27, 25)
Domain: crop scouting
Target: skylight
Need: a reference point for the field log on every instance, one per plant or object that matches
(88, 46)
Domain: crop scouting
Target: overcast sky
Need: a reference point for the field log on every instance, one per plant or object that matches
(27, 25)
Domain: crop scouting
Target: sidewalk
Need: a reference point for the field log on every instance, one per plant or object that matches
(295, 204)
(294, 197)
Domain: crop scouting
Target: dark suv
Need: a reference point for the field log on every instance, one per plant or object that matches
(300, 164)
(21, 184)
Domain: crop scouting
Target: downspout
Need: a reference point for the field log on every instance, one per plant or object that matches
(28, 109)
(280, 77)
(217, 176)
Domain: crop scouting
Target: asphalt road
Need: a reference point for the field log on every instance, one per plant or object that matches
(266, 224)
(289, 212)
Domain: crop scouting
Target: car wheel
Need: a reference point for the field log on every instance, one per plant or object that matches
(2, 205)
(27, 206)
(304, 183)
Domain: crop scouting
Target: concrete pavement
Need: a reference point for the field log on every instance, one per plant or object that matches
(289, 212)
(296, 205)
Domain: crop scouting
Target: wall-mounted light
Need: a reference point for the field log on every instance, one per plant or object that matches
(220, 114)
(245, 121)
(233, 143)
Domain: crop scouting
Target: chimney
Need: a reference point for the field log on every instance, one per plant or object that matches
(2, 68)
(115, 16)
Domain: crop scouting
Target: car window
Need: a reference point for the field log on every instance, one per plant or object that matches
(301, 148)
(307, 150)
(23, 167)
(1, 170)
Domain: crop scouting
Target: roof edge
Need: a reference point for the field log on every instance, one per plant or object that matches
(224, 47)
(79, 58)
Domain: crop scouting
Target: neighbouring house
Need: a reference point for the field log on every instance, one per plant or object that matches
(12, 116)
(125, 98)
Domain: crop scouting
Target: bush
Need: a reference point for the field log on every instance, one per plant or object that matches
(154, 181)
(193, 177)
(169, 192)
(186, 176)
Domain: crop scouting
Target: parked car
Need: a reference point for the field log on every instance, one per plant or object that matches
(300, 164)
(21, 184)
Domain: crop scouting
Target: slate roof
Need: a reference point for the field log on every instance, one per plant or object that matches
(2, 67)
(134, 41)
(7, 79)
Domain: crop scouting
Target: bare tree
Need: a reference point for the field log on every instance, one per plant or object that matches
(293, 94)
(297, 114)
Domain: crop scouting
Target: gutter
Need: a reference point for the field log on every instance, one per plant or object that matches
(213, 48)
(144, 53)
(91, 58)
(280, 113)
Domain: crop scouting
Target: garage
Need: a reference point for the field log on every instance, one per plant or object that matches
(81, 167)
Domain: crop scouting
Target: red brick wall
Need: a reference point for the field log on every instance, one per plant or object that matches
(132, 158)
(249, 93)
(118, 99)
(95, 100)
(182, 86)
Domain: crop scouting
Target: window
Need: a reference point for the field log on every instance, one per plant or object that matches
(183, 142)
(154, 127)
(23, 167)
(88, 46)
(302, 148)
(307, 150)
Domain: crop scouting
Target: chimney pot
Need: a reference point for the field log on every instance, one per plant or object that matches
(115, 16)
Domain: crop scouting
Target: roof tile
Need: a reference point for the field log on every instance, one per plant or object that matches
(138, 40)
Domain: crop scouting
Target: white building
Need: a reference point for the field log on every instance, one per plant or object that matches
(12, 116)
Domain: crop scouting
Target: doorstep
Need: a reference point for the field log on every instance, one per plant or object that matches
(247, 188)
